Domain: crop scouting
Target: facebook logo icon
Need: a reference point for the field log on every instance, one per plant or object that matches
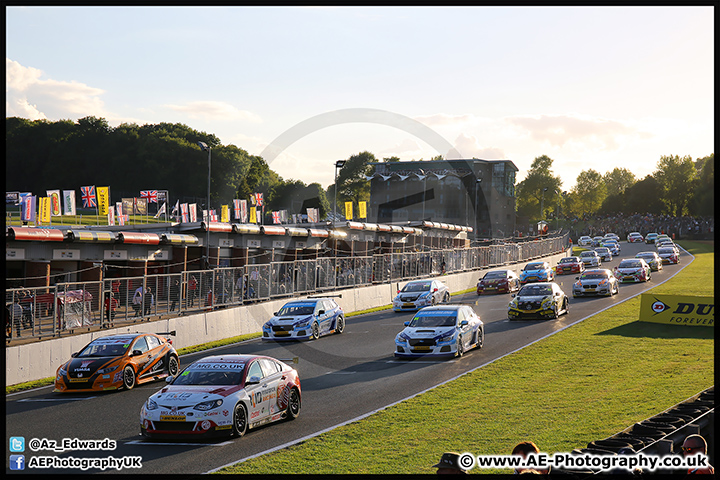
(17, 462)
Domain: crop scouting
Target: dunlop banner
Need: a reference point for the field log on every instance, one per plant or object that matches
(677, 310)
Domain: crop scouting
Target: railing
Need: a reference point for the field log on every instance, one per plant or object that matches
(65, 307)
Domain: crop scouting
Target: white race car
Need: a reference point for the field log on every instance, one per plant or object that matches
(305, 320)
(442, 330)
(222, 395)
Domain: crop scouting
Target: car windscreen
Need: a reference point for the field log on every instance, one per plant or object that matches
(567, 260)
(434, 318)
(417, 287)
(105, 349)
(534, 290)
(297, 309)
(666, 250)
(588, 276)
(494, 275)
(211, 374)
(533, 266)
(630, 264)
(587, 254)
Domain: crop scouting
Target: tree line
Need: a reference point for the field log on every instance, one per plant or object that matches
(43, 155)
(678, 186)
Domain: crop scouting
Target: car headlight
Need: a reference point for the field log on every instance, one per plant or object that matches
(513, 303)
(402, 338)
(546, 302)
(151, 405)
(107, 370)
(447, 337)
(62, 371)
(303, 323)
(209, 405)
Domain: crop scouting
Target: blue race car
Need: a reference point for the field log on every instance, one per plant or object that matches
(306, 319)
(442, 330)
(537, 272)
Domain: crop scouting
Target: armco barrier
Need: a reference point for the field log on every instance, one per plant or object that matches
(34, 361)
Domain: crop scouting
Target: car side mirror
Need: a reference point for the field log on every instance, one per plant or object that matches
(74, 355)
(169, 379)
(406, 323)
(252, 380)
(275, 313)
(136, 352)
(512, 295)
(463, 323)
(435, 290)
(321, 312)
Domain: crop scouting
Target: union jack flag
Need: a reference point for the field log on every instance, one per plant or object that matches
(259, 199)
(88, 196)
(151, 195)
(276, 217)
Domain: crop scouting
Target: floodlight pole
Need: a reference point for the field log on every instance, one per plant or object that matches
(204, 146)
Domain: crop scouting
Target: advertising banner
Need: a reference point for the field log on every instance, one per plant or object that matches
(103, 197)
(55, 208)
(678, 310)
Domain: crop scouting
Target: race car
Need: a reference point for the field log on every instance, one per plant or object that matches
(612, 245)
(222, 395)
(498, 281)
(116, 362)
(650, 237)
(632, 270)
(597, 241)
(536, 272)
(605, 253)
(442, 330)
(420, 293)
(668, 255)
(569, 265)
(596, 282)
(307, 319)
(538, 300)
(590, 258)
(612, 236)
(652, 259)
(634, 237)
(585, 241)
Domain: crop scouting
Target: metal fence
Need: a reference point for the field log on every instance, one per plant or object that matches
(65, 307)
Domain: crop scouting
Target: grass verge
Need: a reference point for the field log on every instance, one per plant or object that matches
(584, 383)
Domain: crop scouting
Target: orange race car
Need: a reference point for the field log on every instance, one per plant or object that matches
(119, 361)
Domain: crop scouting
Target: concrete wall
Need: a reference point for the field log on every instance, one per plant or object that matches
(39, 360)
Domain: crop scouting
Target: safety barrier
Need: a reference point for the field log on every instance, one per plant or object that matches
(51, 311)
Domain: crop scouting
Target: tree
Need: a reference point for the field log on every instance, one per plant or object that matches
(590, 190)
(644, 197)
(539, 186)
(352, 184)
(618, 180)
(676, 177)
(702, 202)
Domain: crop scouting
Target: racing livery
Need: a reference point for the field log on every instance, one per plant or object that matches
(118, 361)
(305, 320)
(569, 265)
(498, 281)
(538, 300)
(222, 395)
(421, 293)
(442, 330)
(536, 272)
(632, 270)
(596, 282)
(668, 255)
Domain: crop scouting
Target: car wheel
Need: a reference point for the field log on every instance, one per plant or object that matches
(567, 306)
(240, 420)
(315, 331)
(446, 298)
(556, 312)
(460, 350)
(340, 324)
(173, 366)
(293, 408)
(481, 340)
(433, 301)
(128, 377)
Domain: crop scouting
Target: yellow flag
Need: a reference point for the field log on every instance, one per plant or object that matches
(225, 214)
(348, 210)
(253, 217)
(362, 210)
(103, 196)
(45, 210)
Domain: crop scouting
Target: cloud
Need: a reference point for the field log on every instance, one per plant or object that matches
(29, 96)
(559, 130)
(469, 147)
(217, 111)
(444, 119)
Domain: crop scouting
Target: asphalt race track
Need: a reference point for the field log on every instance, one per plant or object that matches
(343, 377)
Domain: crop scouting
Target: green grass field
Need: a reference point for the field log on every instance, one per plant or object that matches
(584, 383)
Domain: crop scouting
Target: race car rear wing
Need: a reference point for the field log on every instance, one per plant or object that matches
(339, 295)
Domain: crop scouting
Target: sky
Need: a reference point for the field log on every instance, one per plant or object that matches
(590, 87)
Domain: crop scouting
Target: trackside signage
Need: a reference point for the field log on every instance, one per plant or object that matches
(678, 310)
